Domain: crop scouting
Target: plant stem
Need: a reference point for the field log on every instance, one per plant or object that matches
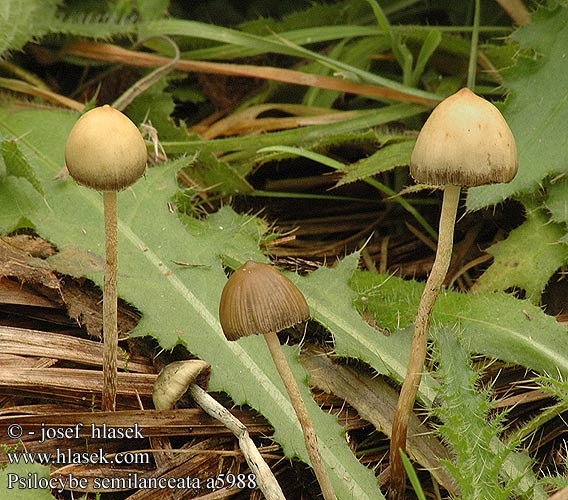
(516, 10)
(473, 56)
(420, 337)
(302, 413)
(264, 476)
(110, 327)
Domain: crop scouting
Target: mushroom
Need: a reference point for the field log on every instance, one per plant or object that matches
(464, 142)
(175, 379)
(179, 377)
(257, 299)
(105, 151)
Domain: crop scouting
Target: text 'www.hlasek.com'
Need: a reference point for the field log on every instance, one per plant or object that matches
(59, 457)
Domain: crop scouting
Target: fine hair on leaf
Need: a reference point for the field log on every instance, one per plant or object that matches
(468, 425)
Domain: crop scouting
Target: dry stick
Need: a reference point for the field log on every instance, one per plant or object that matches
(302, 413)
(48, 95)
(112, 53)
(110, 306)
(560, 495)
(420, 337)
(516, 10)
(263, 475)
(145, 83)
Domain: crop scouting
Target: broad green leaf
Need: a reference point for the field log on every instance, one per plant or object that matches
(179, 303)
(17, 165)
(557, 200)
(535, 108)
(392, 155)
(493, 323)
(19, 201)
(18, 482)
(527, 259)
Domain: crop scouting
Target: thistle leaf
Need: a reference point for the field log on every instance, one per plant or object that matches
(534, 108)
(24, 20)
(11, 489)
(467, 424)
(527, 259)
(557, 200)
(392, 155)
(492, 323)
(179, 303)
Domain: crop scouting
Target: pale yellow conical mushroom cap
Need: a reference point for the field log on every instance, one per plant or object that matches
(105, 150)
(465, 142)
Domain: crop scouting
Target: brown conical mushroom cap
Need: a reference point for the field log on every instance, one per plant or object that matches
(258, 299)
(105, 150)
(464, 142)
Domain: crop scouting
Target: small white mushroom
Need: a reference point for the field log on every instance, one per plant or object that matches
(174, 381)
(192, 376)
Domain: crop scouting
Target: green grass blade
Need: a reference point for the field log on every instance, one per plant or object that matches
(412, 477)
(379, 186)
(270, 44)
(359, 120)
(380, 16)
(306, 36)
(429, 46)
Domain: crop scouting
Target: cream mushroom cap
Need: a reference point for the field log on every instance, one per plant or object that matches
(464, 142)
(174, 380)
(105, 150)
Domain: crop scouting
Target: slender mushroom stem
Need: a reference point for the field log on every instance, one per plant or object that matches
(264, 476)
(420, 337)
(302, 414)
(110, 316)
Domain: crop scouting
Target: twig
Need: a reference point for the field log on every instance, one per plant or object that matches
(145, 83)
(46, 94)
(264, 477)
(114, 53)
(560, 495)
(516, 10)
